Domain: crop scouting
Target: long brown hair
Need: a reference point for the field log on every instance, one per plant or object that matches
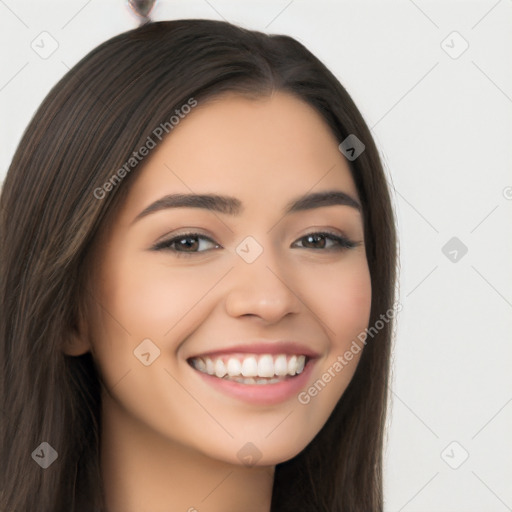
(86, 129)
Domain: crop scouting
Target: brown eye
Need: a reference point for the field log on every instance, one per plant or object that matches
(187, 243)
(320, 241)
(315, 241)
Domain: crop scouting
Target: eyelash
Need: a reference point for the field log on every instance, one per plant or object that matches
(342, 242)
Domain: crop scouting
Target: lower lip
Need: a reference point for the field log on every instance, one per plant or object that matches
(262, 394)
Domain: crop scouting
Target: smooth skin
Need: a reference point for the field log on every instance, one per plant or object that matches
(169, 440)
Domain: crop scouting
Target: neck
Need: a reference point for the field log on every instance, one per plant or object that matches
(144, 472)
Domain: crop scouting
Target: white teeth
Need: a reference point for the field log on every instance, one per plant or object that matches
(244, 368)
(210, 367)
(250, 380)
(200, 365)
(280, 365)
(292, 365)
(234, 367)
(220, 369)
(250, 367)
(266, 366)
(301, 361)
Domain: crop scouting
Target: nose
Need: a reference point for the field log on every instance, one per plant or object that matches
(261, 289)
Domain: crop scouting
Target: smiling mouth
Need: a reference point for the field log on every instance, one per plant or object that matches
(259, 369)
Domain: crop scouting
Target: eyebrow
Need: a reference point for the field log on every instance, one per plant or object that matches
(233, 206)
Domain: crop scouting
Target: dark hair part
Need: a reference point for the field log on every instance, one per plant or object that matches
(101, 111)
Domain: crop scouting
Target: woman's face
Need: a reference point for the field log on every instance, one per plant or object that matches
(251, 291)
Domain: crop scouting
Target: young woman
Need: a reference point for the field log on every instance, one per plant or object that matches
(196, 240)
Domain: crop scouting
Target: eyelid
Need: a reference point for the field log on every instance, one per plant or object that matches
(164, 243)
(343, 242)
(182, 233)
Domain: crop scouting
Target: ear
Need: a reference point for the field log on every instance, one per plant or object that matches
(76, 342)
(75, 345)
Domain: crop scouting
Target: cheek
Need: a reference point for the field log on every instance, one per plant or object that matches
(340, 296)
(137, 302)
(343, 305)
(151, 300)
(350, 305)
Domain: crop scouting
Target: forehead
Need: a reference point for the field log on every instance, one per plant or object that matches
(261, 150)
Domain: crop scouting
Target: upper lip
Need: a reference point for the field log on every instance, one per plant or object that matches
(263, 347)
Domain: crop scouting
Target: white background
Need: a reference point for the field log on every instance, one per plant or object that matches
(443, 126)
